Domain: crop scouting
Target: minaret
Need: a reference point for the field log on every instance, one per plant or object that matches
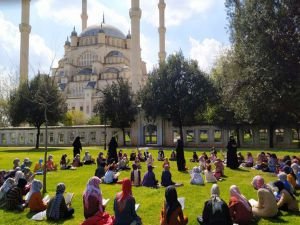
(25, 29)
(84, 15)
(135, 59)
(162, 31)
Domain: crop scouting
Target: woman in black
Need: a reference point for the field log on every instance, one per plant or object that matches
(112, 151)
(76, 146)
(232, 159)
(180, 156)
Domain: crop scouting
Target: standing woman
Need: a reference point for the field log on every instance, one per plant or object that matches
(232, 160)
(112, 151)
(124, 206)
(171, 213)
(77, 147)
(180, 156)
(92, 198)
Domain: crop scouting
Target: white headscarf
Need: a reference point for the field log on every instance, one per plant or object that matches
(18, 175)
(215, 192)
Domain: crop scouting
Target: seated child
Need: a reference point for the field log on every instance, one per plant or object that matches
(100, 171)
(173, 156)
(26, 163)
(272, 164)
(135, 176)
(202, 162)
(195, 157)
(296, 169)
(209, 176)
(161, 155)
(213, 154)
(87, 159)
(123, 163)
(196, 177)
(137, 163)
(149, 178)
(76, 161)
(16, 163)
(100, 159)
(166, 162)
(150, 159)
(166, 177)
(140, 156)
(39, 167)
(28, 175)
(219, 171)
(120, 155)
(241, 158)
(249, 160)
(132, 156)
(261, 161)
(34, 197)
(50, 164)
(64, 162)
(110, 177)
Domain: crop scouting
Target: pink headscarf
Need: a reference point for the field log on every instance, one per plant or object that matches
(93, 189)
(235, 192)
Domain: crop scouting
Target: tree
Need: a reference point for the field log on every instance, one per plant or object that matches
(25, 103)
(266, 44)
(177, 90)
(74, 117)
(117, 105)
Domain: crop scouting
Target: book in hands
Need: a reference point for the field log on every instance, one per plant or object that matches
(105, 201)
(137, 206)
(46, 199)
(68, 198)
(181, 201)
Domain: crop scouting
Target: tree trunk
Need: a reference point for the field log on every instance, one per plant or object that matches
(238, 138)
(45, 155)
(124, 139)
(271, 135)
(181, 131)
(37, 143)
(298, 136)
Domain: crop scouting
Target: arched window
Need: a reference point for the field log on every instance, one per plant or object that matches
(87, 58)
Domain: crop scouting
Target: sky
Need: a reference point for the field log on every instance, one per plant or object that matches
(197, 27)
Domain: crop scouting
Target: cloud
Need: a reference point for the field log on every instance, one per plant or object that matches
(40, 56)
(206, 52)
(177, 12)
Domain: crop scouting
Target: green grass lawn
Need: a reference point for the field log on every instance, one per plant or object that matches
(150, 199)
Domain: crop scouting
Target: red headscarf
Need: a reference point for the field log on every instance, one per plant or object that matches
(124, 194)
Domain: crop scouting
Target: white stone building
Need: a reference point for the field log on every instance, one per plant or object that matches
(99, 55)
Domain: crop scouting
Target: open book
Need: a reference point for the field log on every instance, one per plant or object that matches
(68, 198)
(46, 199)
(105, 201)
(137, 206)
(253, 202)
(181, 201)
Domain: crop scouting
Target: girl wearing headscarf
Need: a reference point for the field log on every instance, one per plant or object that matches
(7, 185)
(287, 200)
(39, 167)
(34, 197)
(149, 178)
(196, 177)
(215, 210)
(166, 177)
(239, 207)
(18, 175)
(14, 198)
(296, 169)
(57, 207)
(266, 205)
(283, 178)
(290, 175)
(124, 206)
(92, 198)
(171, 213)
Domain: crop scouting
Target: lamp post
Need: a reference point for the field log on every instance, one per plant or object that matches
(139, 106)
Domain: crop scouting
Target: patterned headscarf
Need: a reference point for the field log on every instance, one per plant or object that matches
(282, 176)
(54, 211)
(18, 175)
(93, 189)
(235, 192)
(295, 168)
(215, 190)
(8, 184)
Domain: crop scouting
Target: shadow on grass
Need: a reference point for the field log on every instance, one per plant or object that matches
(277, 219)
(32, 150)
(239, 169)
(61, 221)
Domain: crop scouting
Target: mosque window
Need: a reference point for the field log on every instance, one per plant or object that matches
(87, 58)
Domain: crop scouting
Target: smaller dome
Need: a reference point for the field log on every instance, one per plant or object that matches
(74, 33)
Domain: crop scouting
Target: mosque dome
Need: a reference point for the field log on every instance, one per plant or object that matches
(107, 29)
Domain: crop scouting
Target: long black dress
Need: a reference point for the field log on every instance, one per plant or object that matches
(232, 160)
(180, 156)
(112, 150)
(76, 146)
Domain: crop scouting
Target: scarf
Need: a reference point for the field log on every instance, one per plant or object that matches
(93, 189)
(171, 201)
(36, 186)
(18, 175)
(124, 195)
(235, 192)
(54, 211)
(258, 182)
(8, 184)
(280, 185)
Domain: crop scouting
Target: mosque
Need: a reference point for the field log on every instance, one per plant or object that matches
(101, 54)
